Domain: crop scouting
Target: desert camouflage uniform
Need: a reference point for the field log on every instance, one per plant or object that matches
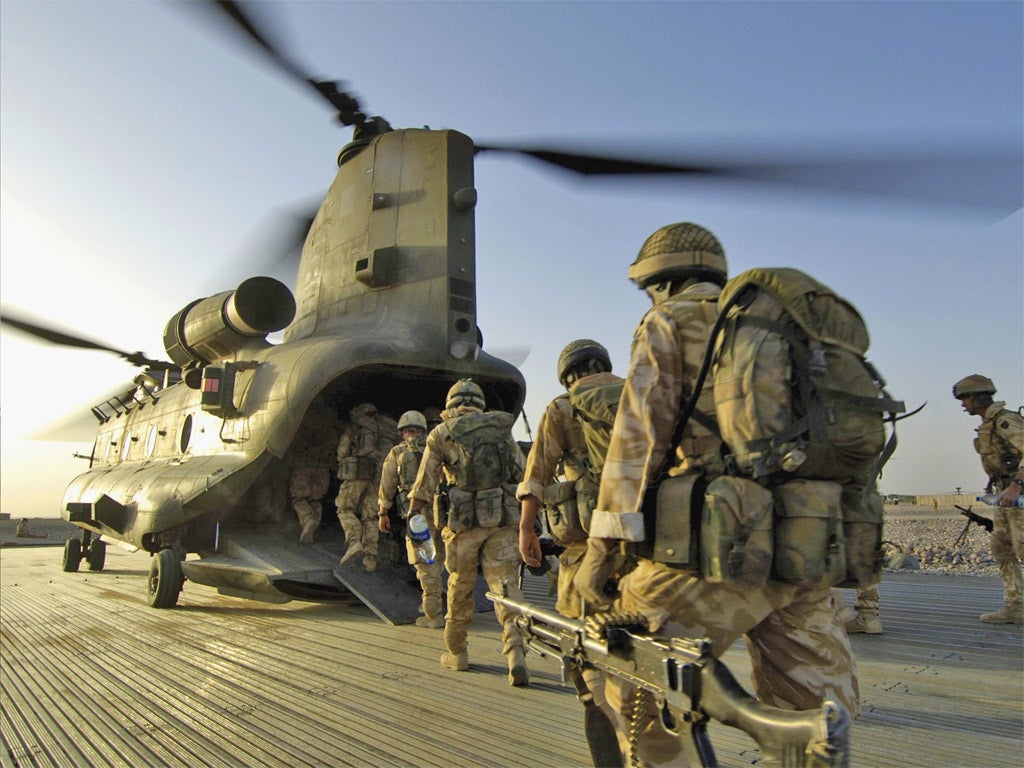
(369, 435)
(392, 482)
(495, 550)
(1000, 443)
(800, 653)
(309, 458)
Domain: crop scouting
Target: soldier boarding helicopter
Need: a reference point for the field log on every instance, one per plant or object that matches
(384, 311)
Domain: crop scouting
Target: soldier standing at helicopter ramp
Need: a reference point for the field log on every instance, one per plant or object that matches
(396, 480)
(482, 520)
(365, 442)
(310, 457)
(1000, 443)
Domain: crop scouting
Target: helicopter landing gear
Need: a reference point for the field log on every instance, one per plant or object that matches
(72, 556)
(165, 578)
(97, 555)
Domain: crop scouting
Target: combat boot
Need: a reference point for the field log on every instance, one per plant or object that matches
(1008, 614)
(435, 623)
(307, 531)
(518, 673)
(370, 563)
(457, 662)
(864, 623)
(353, 553)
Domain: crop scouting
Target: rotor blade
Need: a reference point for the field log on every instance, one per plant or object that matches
(80, 425)
(61, 338)
(953, 176)
(347, 106)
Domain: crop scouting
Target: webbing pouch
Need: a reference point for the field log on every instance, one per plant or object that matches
(460, 509)
(510, 507)
(863, 514)
(488, 507)
(677, 510)
(357, 468)
(562, 513)
(736, 532)
(809, 545)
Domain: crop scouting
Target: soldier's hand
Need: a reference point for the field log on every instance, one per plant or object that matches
(529, 547)
(595, 572)
(383, 521)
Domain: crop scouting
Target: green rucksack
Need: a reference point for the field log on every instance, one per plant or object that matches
(796, 403)
(594, 407)
(482, 441)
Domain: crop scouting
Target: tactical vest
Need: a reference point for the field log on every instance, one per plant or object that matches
(1000, 458)
(409, 458)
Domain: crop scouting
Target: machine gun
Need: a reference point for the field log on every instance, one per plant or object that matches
(972, 517)
(683, 675)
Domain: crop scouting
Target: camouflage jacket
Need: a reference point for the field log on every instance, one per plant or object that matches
(391, 475)
(559, 439)
(668, 347)
(441, 453)
(1000, 443)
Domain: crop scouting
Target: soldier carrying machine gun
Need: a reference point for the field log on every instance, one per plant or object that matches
(685, 676)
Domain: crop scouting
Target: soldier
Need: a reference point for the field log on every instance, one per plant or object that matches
(800, 653)
(396, 480)
(478, 451)
(1000, 443)
(309, 457)
(364, 443)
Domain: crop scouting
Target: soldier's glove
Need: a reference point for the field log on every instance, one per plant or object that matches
(595, 572)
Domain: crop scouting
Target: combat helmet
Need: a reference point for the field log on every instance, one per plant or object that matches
(465, 392)
(412, 419)
(975, 384)
(579, 351)
(679, 250)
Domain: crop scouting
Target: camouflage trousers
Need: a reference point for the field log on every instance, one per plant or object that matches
(357, 512)
(1008, 549)
(496, 551)
(568, 601)
(307, 486)
(800, 653)
(429, 576)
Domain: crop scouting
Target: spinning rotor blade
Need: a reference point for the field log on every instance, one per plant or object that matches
(961, 178)
(64, 339)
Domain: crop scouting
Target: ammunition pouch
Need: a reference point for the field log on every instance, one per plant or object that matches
(511, 510)
(809, 544)
(357, 468)
(561, 511)
(586, 500)
(862, 526)
(736, 532)
(672, 511)
(488, 508)
(441, 506)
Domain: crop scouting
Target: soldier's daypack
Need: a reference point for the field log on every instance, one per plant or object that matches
(802, 414)
(482, 494)
(594, 407)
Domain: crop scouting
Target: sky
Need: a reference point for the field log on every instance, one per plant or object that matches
(148, 157)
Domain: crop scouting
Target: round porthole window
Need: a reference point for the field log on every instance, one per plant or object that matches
(186, 434)
(126, 445)
(151, 441)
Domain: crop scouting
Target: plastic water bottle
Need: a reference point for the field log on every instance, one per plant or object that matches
(419, 532)
(992, 499)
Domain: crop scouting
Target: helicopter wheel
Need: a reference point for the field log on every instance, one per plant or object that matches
(165, 579)
(72, 555)
(97, 555)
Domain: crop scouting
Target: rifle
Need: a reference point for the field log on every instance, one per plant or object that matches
(972, 517)
(682, 674)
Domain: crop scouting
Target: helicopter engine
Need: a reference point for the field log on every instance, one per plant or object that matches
(214, 328)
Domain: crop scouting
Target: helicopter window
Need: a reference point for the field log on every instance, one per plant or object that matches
(151, 441)
(186, 433)
(126, 445)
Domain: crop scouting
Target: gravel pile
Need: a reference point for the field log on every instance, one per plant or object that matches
(930, 536)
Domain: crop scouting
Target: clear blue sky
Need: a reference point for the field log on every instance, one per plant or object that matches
(145, 155)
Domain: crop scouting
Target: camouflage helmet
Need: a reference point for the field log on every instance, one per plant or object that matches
(975, 384)
(411, 420)
(465, 392)
(677, 250)
(579, 351)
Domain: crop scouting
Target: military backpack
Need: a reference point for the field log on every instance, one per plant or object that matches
(594, 407)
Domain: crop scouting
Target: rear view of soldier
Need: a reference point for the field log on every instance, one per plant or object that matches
(477, 450)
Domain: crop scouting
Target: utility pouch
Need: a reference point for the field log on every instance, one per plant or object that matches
(460, 509)
(676, 511)
(809, 546)
(441, 505)
(586, 501)
(356, 468)
(510, 508)
(862, 526)
(562, 513)
(736, 532)
(488, 507)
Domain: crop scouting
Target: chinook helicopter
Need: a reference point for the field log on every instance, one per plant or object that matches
(384, 307)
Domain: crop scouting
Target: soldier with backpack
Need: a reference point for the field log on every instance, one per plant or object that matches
(484, 464)
(396, 480)
(694, 577)
(1000, 443)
